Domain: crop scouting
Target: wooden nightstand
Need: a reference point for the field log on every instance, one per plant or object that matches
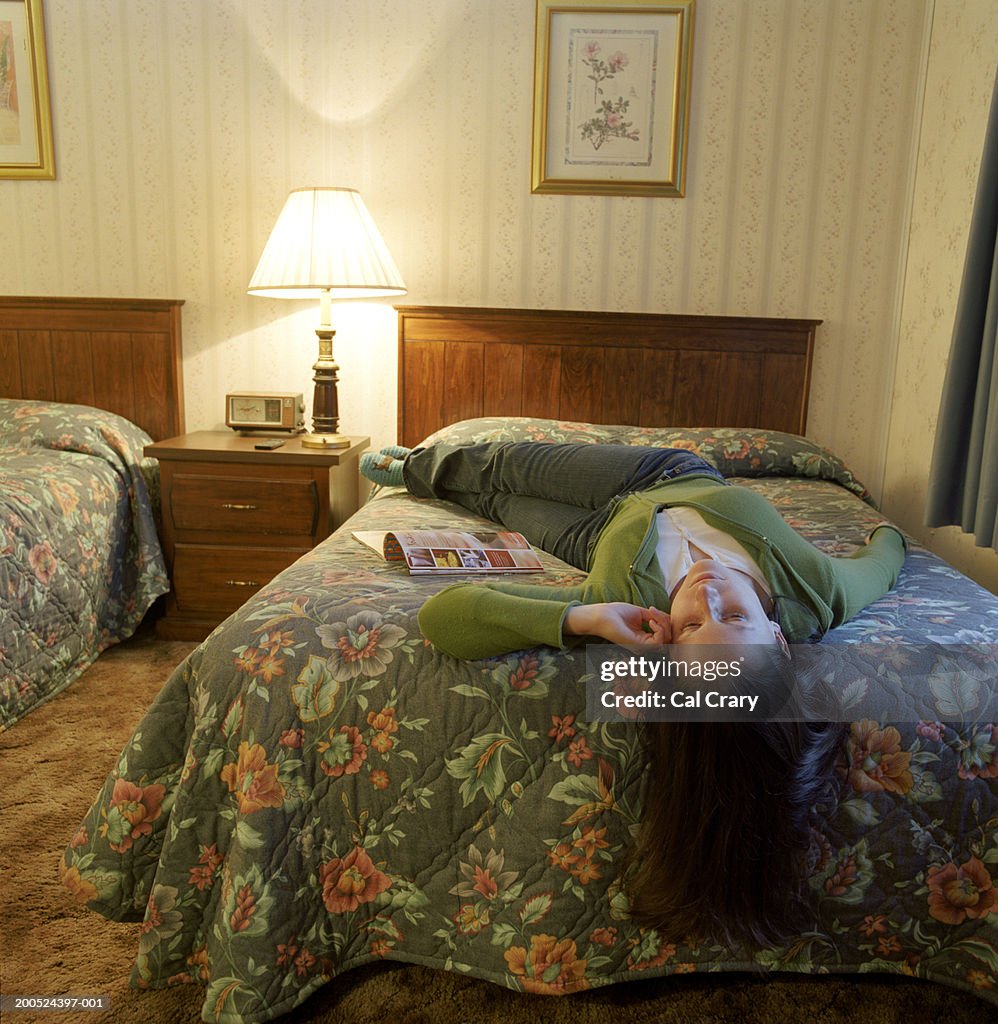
(234, 517)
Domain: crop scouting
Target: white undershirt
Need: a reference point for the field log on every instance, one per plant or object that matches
(684, 537)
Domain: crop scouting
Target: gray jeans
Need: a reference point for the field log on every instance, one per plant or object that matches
(558, 496)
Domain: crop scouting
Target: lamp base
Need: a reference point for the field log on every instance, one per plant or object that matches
(325, 440)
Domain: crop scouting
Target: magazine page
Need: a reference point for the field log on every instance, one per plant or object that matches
(454, 551)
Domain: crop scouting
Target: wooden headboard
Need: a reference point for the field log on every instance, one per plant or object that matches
(648, 369)
(123, 355)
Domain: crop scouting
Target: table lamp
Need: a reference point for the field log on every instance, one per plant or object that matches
(325, 245)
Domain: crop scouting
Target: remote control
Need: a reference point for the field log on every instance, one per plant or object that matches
(268, 446)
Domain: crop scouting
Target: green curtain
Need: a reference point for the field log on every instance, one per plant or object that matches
(963, 480)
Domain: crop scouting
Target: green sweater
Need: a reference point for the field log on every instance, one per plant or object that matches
(481, 620)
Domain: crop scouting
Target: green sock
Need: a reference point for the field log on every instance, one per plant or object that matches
(382, 469)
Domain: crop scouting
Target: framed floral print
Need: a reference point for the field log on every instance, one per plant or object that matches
(25, 114)
(612, 96)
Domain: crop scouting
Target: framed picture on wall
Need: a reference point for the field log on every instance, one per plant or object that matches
(612, 96)
(25, 113)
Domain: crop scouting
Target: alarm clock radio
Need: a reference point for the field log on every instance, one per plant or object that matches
(265, 410)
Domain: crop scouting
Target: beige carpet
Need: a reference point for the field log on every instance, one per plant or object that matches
(51, 766)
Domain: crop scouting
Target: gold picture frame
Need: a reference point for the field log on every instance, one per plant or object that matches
(26, 149)
(612, 97)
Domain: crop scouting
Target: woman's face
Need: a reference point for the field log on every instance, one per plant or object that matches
(717, 605)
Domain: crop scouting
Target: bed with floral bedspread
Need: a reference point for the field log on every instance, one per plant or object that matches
(316, 787)
(80, 561)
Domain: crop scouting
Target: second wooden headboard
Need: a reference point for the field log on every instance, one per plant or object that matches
(123, 355)
(648, 369)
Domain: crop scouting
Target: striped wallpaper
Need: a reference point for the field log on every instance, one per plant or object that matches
(960, 78)
(180, 126)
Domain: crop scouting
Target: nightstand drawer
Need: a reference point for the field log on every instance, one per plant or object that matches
(244, 504)
(220, 579)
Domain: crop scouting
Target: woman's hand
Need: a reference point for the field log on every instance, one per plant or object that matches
(620, 623)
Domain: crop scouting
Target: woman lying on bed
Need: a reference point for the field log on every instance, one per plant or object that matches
(674, 555)
(658, 530)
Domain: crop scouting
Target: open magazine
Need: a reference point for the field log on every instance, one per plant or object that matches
(454, 551)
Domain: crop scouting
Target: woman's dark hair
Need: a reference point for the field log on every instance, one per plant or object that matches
(724, 835)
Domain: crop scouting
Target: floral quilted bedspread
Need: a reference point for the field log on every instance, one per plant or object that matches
(316, 787)
(80, 561)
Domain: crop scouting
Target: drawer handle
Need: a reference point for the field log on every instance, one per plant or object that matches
(240, 508)
(241, 583)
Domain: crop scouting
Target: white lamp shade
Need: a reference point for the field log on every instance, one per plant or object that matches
(325, 241)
